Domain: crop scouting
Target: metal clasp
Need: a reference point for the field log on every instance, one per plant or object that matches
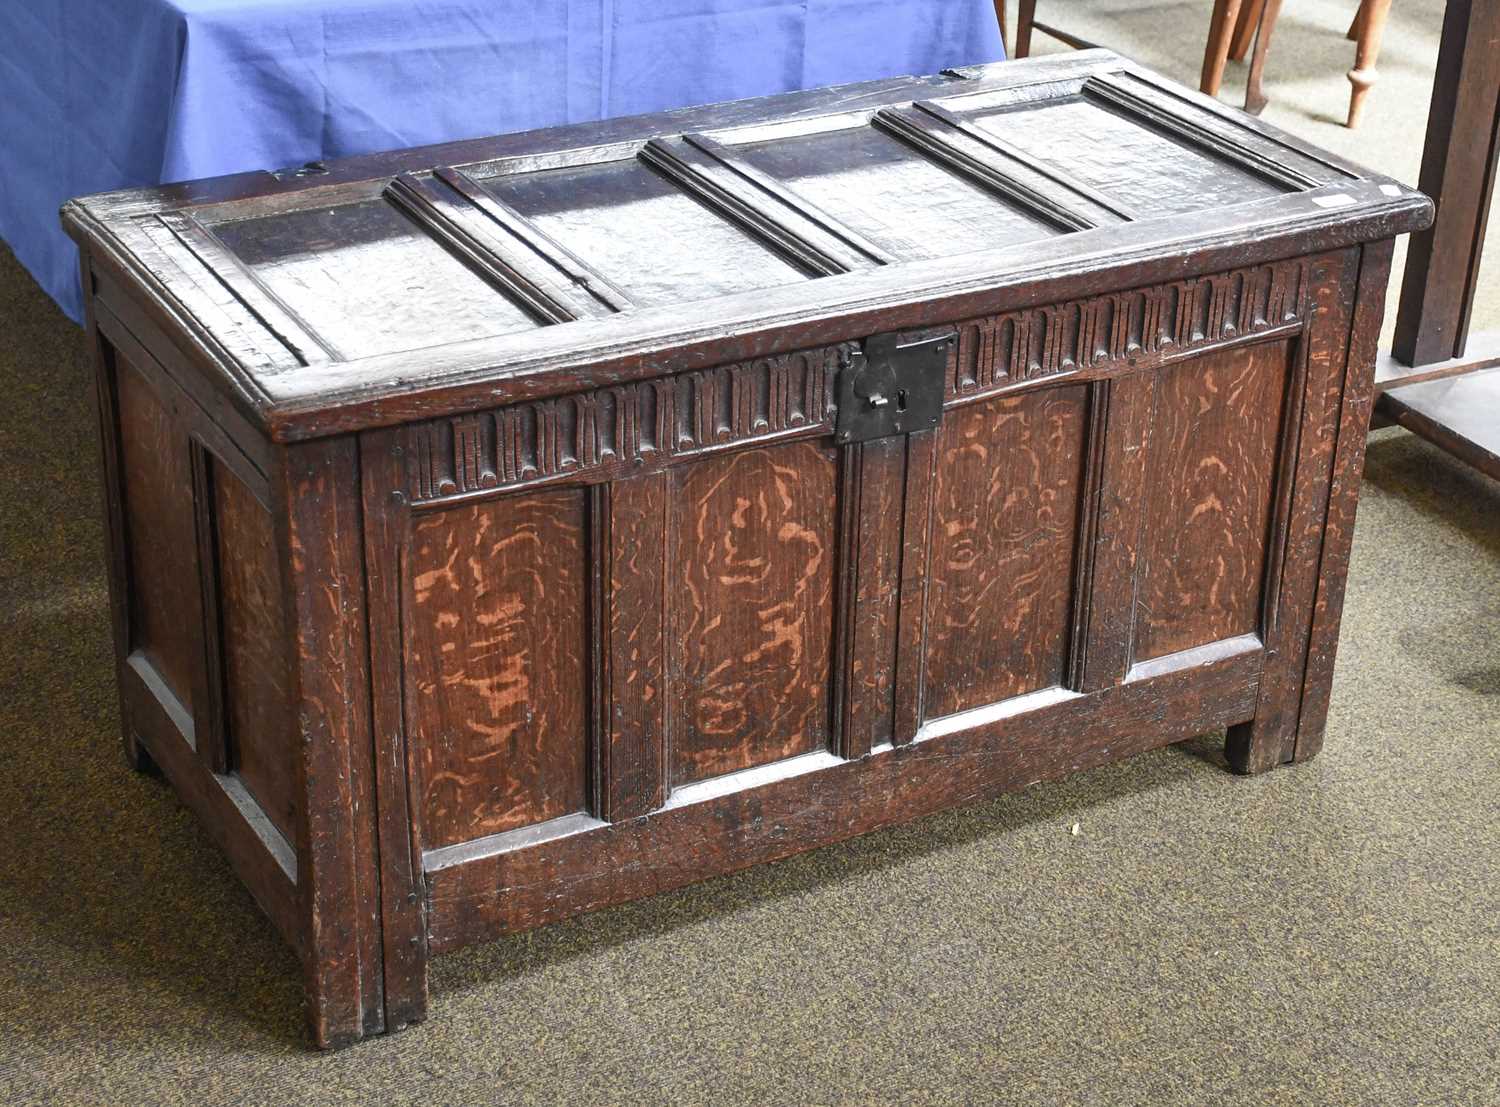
(894, 386)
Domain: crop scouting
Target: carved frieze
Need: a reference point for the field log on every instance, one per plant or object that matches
(614, 430)
(605, 433)
(999, 351)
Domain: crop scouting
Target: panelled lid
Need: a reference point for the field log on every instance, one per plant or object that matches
(449, 277)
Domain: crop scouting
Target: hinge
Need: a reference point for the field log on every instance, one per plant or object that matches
(894, 387)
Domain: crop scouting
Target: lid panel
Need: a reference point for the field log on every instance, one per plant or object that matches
(1148, 172)
(891, 194)
(659, 244)
(367, 280)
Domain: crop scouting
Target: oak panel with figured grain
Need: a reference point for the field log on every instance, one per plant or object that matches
(161, 542)
(496, 663)
(750, 594)
(1004, 538)
(1210, 478)
(257, 685)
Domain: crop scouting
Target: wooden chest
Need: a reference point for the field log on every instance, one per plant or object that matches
(506, 529)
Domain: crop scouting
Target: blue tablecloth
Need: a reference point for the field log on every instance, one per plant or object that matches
(103, 94)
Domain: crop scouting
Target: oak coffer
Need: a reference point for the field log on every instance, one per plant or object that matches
(504, 529)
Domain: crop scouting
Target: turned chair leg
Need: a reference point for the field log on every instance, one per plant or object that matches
(1255, 96)
(1244, 29)
(1000, 19)
(1370, 22)
(1216, 54)
(1025, 16)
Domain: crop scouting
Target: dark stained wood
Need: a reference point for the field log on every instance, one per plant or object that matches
(633, 758)
(518, 889)
(1005, 524)
(502, 248)
(918, 502)
(1186, 181)
(1461, 414)
(752, 549)
(1210, 477)
(258, 855)
(496, 671)
(978, 152)
(1355, 409)
(160, 540)
(260, 734)
(210, 728)
(313, 261)
(1309, 439)
(871, 575)
(642, 233)
(761, 204)
(1106, 630)
(1458, 165)
(1459, 168)
(396, 833)
(864, 177)
(106, 410)
(353, 988)
(488, 544)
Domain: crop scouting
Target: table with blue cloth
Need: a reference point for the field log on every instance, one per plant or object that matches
(105, 94)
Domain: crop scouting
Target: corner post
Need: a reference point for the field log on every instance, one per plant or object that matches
(338, 849)
(1328, 410)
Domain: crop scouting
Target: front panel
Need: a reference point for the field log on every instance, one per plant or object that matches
(1009, 487)
(1210, 478)
(497, 668)
(640, 599)
(751, 556)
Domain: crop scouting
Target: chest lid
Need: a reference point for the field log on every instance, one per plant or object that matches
(338, 297)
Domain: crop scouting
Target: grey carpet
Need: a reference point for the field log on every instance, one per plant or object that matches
(1324, 934)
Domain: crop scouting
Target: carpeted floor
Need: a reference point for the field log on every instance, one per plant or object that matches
(1324, 934)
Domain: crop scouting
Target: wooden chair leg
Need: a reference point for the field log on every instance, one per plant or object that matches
(1000, 19)
(1352, 34)
(1255, 97)
(1025, 16)
(1244, 29)
(1216, 54)
(1371, 23)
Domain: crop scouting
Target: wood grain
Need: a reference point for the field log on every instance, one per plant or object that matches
(496, 669)
(750, 595)
(865, 178)
(1009, 481)
(641, 232)
(364, 277)
(160, 540)
(871, 576)
(1211, 472)
(634, 755)
(353, 978)
(1131, 163)
(519, 889)
(578, 600)
(257, 686)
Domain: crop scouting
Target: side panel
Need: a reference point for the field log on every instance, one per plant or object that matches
(165, 620)
(159, 447)
(257, 686)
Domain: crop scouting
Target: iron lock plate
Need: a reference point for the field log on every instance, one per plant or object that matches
(895, 387)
